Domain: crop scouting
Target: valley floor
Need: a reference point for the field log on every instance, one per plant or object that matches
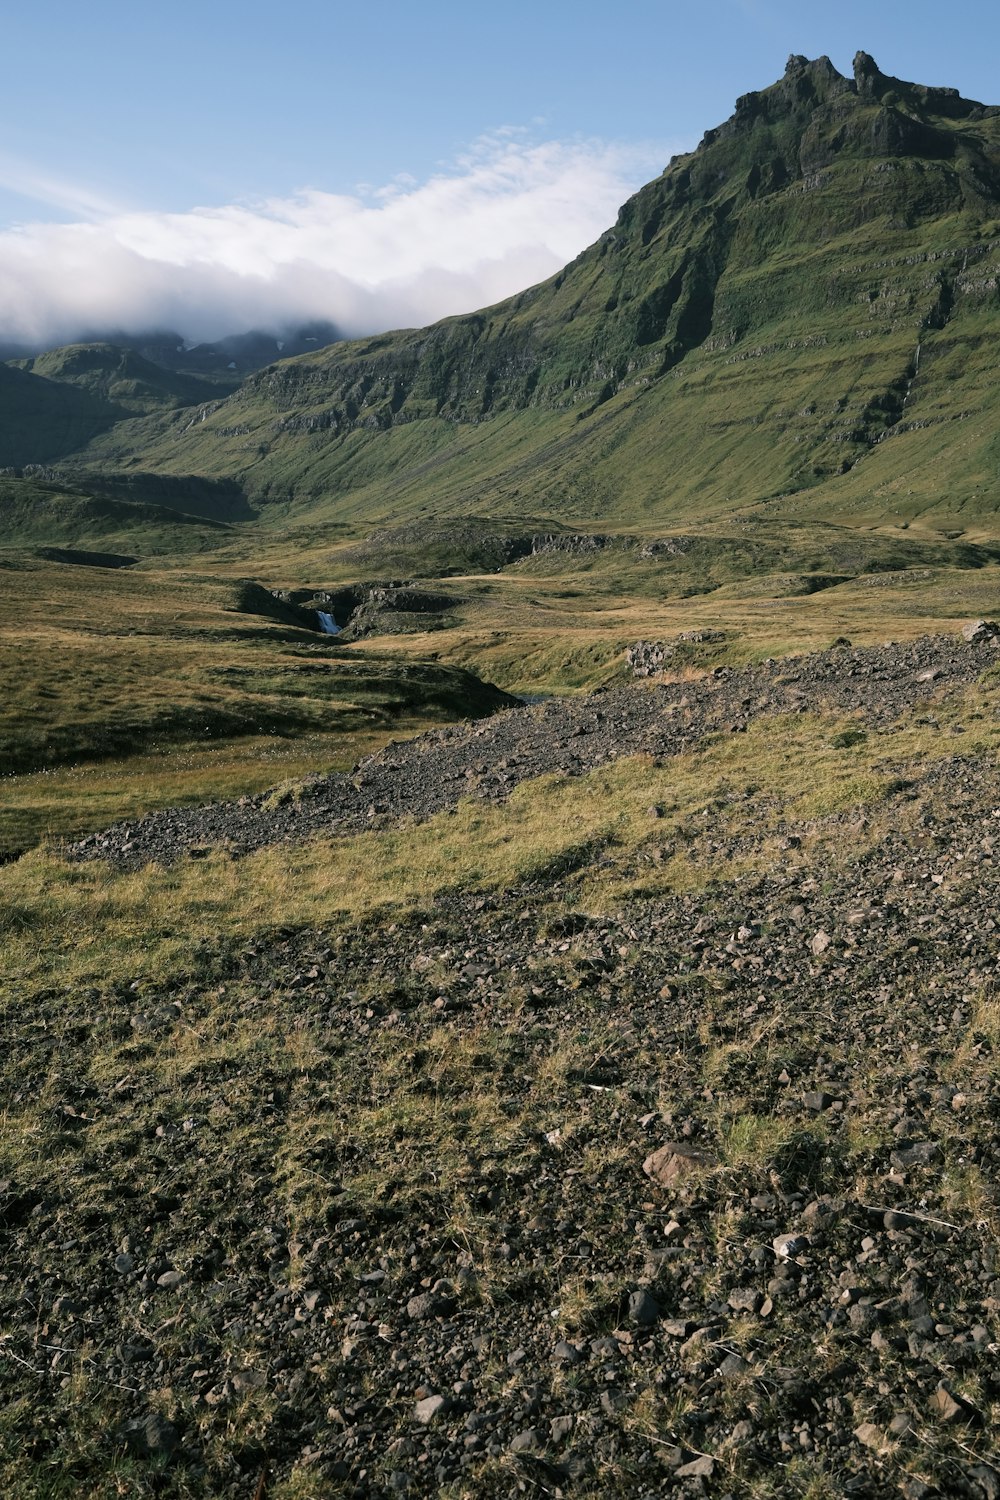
(644, 1142)
(435, 771)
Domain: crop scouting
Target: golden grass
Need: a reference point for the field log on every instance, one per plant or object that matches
(569, 631)
(124, 692)
(74, 921)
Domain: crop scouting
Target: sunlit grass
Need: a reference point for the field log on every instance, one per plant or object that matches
(126, 691)
(76, 920)
(68, 801)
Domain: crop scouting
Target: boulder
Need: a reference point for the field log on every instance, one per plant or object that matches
(675, 1162)
(149, 1436)
(979, 632)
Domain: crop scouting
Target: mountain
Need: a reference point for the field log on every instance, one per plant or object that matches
(229, 359)
(509, 1102)
(225, 362)
(119, 376)
(52, 404)
(800, 314)
(34, 511)
(43, 419)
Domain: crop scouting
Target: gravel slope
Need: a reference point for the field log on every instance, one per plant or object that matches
(422, 776)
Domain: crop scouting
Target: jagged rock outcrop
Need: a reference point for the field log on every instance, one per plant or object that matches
(574, 544)
(650, 658)
(383, 609)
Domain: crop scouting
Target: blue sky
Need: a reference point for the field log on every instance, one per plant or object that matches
(375, 138)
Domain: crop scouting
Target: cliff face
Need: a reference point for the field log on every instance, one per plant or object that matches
(858, 216)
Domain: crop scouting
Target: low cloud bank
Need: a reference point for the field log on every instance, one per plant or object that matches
(509, 214)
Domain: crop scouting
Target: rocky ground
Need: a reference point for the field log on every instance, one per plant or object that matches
(420, 777)
(696, 1196)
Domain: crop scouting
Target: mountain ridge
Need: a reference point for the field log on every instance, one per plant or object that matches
(835, 240)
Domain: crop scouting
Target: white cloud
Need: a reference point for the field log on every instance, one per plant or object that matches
(24, 180)
(509, 213)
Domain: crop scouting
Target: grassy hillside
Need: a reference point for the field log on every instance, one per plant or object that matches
(36, 512)
(42, 420)
(120, 376)
(54, 403)
(798, 316)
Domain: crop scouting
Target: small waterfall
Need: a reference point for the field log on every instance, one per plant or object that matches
(914, 372)
(327, 623)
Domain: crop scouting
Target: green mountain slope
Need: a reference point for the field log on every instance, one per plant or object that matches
(34, 513)
(119, 375)
(42, 420)
(802, 313)
(53, 404)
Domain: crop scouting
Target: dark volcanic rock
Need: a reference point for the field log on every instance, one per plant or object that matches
(150, 1436)
(423, 776)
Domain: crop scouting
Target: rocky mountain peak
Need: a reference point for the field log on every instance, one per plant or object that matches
(826, 210)
(869, 81)
(814, 115)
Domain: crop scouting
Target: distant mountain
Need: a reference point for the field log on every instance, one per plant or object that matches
(225, 362)
(55, 402)
(52, 404)
(34, 512)
(42, 420)
(119, 376)
(239, 354)
(802, 313)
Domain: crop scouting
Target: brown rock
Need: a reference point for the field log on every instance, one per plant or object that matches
(699, 1341)
(787, 1246)
(430, 1408)
(675, 1162)
(976, 632)
(948, 1407)
(698, 1468)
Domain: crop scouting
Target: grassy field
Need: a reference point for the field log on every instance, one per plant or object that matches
(125, 690)
(295, 1014)
(130, 688)
(144, 924)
